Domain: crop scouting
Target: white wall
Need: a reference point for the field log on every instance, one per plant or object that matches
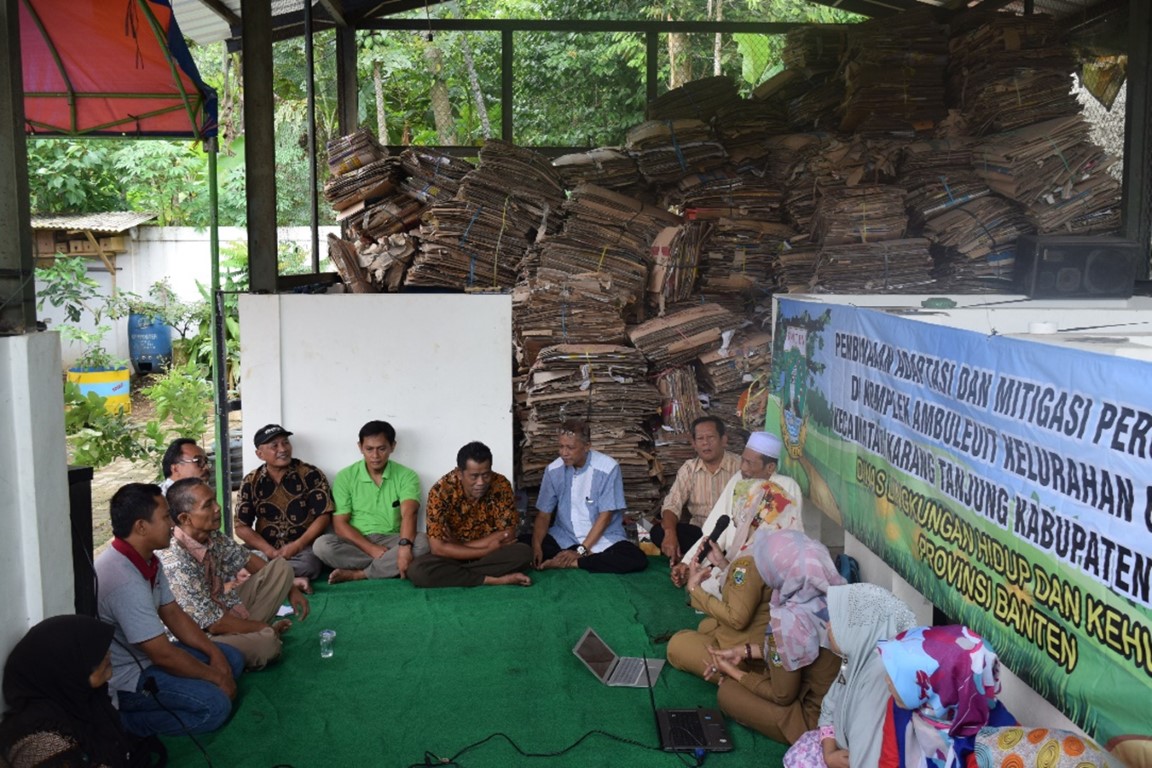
(437, 367)
(36, 548)
(181, 254)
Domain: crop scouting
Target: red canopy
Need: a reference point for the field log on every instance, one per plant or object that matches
(110, 68)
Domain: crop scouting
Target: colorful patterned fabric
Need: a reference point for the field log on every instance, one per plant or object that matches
(1019, 747)
(200, 576)
(799, 571)
(454, 516)
(282, 511)
(950, 677)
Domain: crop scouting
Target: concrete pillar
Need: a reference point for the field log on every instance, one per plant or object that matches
(36, 550)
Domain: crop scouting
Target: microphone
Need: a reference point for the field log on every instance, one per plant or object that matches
(719, 528)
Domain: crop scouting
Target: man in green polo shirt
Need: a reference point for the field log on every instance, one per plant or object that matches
(376, 502)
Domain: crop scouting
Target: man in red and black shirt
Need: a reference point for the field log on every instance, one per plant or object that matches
(472, 524)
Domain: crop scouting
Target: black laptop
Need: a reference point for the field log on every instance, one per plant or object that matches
(687, 730)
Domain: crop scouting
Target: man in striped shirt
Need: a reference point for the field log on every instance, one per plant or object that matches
(698, 485)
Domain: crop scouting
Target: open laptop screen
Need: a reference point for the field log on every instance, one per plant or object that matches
(598, 656)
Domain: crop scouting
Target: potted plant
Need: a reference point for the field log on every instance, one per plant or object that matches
(66, 285)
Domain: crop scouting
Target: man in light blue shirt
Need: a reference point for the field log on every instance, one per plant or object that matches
(580, 510)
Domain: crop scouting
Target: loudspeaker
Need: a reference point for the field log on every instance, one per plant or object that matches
(1076, 266)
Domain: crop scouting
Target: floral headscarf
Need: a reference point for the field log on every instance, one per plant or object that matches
(799, 572)
(950, 677)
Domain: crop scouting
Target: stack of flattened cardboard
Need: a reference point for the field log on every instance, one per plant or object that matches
(507, 172)
(682, 334)
(605, 231)
(469, 246)
(697, 100)
(356, 150)
(672, 450)
(954, 153)
(675, 263)
(1056, 172)
(817, 48)
(372, 267)
(891, 266)
(558, 308)
(1008, 71)
(745, 124)
(736, 259)
(432, 177)
(860, 214)
(817, 108)
(893, 74)
(605, 385)
(726, 374)
(680, 397)
(982, 233)
(668, 150)
(608, 167)
(372, 181)
(794, 267)
(931, 192)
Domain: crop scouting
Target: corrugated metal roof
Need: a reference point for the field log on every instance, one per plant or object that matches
(110, 222)
(210, 21)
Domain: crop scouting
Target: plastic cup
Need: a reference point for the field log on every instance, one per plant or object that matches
(327, 638)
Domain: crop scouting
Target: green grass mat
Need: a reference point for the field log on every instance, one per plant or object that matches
(418, 671)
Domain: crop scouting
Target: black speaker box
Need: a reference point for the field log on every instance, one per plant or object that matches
(1076, 266)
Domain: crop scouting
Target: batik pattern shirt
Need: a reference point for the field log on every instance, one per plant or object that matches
(455, 516)
(282, 511)
(202, 587)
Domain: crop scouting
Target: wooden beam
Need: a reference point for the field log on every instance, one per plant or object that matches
(259, 145)
(17, 286)
(335, 12)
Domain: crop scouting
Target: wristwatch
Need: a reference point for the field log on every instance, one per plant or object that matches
(404, 543)
(581, 550)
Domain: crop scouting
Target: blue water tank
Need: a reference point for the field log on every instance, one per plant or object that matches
(149, 343)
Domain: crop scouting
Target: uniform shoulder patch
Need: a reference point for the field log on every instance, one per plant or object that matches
(739, 575)
(773, 655)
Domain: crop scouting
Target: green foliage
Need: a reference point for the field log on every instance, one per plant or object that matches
(69, 176)
(184, 395)
(96, 437)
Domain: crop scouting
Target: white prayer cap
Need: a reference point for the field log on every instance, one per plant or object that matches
(765, 444)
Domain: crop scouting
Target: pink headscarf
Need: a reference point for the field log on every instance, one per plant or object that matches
(799, 572)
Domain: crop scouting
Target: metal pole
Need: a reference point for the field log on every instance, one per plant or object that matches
(651, 61)
(17, 287)
(219, 346)
(313, 194)
(506, 92)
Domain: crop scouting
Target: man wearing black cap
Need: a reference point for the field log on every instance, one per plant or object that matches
(285, 504)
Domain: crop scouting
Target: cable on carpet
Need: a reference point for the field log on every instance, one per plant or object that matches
(432, 759)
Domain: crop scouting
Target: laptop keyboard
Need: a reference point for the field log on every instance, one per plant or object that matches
(628, 670)
(685, 730)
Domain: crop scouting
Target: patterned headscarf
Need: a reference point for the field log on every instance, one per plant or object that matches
(950, 677)
(799, 572)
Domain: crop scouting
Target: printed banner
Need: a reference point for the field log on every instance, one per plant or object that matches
(1008, 481)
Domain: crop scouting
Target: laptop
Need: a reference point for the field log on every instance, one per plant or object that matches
(610, 669)
(689, 730)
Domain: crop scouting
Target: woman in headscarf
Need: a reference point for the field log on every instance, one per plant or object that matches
(944, 682)
(56, 685)
(782, 699)
(852, 713)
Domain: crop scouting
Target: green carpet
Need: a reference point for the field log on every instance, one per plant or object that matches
(436, 670)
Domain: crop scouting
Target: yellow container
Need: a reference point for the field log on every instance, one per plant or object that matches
(112, 383)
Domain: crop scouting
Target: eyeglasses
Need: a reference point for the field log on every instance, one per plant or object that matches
(200, 461)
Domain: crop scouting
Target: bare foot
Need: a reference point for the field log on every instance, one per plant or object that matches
(302, 584)
(340, 575)
(512, 578)
(559, 562)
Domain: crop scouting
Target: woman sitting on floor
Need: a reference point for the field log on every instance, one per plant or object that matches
(56, 683)
(852, 714)
(781, 699)
(944, 682)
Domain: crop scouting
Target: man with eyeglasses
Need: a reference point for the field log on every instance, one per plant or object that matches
(183, 459)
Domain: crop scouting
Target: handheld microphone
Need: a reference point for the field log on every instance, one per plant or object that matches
(719, 528)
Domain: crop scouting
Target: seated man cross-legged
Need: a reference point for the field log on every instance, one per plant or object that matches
(472, 528)
(580, 510)
(202, 565)
(284, 505)
(160, 687)
(377, 501)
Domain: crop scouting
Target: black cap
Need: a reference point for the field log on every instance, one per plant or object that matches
(269, 432)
